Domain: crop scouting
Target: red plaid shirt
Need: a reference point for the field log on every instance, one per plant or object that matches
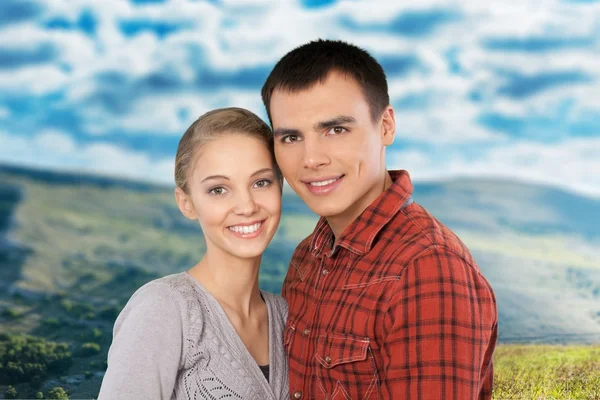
(397, 310)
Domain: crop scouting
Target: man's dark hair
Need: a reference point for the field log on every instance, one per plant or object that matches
(310, 64)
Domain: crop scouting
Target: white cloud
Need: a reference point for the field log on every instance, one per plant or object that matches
(4, 112)
(56, 150)
(450, 118)
(161, 114)
(54, 142)
(452, 123)
(238, 34)
(151, 113)
(571, 165)
(33, 80)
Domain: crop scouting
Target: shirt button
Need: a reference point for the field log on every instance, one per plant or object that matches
(327, 359)
(306, 332)
(325, 272)
(298, 395)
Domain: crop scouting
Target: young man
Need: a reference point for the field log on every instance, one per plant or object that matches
(385, 302)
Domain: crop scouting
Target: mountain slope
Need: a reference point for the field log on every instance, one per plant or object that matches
(99, 238)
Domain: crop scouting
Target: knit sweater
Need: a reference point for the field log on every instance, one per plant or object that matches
(174, 341)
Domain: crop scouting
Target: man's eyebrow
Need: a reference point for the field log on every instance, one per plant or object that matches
(337, 121)
(214, 177)
(285, 131)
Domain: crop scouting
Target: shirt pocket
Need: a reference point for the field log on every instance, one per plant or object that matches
(346, 368)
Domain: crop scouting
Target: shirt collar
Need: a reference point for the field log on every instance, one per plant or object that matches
(359, 235)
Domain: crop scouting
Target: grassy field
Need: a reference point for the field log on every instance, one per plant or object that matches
(536, 372)
(547, 372)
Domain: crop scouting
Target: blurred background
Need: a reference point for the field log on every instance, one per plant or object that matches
(498, 116)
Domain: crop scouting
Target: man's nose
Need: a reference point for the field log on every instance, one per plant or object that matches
(315, 154)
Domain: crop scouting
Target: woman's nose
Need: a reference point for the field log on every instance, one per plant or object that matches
(245, 204)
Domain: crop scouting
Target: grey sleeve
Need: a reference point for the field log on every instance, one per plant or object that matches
(147, 346)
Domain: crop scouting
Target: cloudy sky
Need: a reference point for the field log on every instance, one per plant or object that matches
(508, 88)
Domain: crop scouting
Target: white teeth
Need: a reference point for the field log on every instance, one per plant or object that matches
(246, 229)
(323, 183)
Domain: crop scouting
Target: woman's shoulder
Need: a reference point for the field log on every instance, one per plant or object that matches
(174, 293)
(169, 301)
(176, 286)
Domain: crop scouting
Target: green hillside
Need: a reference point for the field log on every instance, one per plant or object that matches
(73, 249)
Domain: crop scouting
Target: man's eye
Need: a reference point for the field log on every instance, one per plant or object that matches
(337, 130)
(290, 139)
(217, 191)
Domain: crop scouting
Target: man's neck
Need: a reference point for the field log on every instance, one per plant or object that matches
(340, 222)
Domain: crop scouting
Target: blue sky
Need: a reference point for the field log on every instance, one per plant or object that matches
(503, 89)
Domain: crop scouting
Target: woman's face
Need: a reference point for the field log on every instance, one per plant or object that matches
(234, 194)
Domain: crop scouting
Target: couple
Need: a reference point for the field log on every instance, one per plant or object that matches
(385, 302)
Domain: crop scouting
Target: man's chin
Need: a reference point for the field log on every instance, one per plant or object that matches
(323, 209)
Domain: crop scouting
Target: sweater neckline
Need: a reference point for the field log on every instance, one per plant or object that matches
(258, 373)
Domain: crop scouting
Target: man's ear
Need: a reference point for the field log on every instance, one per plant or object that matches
(184, 202)
(388, 126)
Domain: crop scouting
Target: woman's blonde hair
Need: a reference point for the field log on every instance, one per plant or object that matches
(215, 124)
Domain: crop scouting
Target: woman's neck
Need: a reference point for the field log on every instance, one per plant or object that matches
(231, 280)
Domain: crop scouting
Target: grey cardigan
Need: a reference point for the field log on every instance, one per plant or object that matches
(174, 341)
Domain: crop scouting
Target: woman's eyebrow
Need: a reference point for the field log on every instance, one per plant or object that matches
(260, 171)
(214, 177)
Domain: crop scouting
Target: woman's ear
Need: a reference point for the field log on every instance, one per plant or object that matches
(388, 126)
(184, 202)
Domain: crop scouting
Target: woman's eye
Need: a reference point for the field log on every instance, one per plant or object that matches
(337, 130)
(217, 191)
(263, 183)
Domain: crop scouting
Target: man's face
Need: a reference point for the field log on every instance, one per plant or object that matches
(329, 149)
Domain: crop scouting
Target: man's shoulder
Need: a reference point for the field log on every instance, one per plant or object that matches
(415, 232)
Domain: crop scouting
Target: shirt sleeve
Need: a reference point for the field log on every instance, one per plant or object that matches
(440, 331)
(146, 351)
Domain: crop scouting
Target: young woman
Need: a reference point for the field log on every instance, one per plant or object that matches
(209, 332)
